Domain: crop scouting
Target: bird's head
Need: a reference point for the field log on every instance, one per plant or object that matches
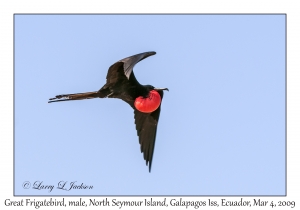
(150, 87)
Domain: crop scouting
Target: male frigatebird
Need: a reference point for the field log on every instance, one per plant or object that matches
(144, 99)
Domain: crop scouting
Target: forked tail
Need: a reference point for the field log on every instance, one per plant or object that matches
(75, 96)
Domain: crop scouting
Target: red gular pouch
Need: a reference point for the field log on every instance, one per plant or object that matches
(148, 104)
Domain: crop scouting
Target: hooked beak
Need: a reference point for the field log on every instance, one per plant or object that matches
(161, 89)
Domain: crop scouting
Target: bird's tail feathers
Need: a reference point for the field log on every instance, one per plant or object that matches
(75, 96)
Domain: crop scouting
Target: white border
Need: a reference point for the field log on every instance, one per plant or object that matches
(8, 8)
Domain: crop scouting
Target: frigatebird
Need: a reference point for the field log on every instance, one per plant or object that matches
(144, 99)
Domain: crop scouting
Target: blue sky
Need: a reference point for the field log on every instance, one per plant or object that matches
(222, 124)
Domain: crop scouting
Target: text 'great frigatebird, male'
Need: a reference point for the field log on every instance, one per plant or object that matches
(144, 99)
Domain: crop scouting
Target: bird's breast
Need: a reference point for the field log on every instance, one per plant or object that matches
(148, 104)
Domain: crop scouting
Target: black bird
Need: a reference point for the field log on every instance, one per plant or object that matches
(144, 99)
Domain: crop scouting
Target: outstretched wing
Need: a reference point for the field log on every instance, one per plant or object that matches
(130, 62)
(146, 126)
(120, 79)
(115, 73)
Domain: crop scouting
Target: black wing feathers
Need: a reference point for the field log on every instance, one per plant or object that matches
(146, 126)
(114, 72)
(121, 83)
(130, 62)
(120, 80)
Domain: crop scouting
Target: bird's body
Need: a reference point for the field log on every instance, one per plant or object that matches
(144, 99)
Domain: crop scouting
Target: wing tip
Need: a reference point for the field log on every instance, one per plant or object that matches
(150, 164)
